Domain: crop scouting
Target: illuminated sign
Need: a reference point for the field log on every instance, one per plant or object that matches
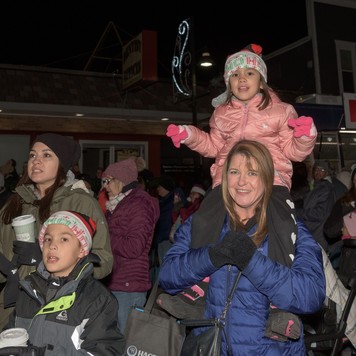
(350, 110)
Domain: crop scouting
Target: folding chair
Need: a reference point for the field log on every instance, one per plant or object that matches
(324, 343)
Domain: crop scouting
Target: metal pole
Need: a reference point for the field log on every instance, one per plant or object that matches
(194, 74)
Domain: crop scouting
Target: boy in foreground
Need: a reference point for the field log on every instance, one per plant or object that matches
(63, 308)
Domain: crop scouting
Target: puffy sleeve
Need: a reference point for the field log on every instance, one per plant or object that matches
(294, 148)
(300, 289)
(183, 267)
(101, 336)
(207, 144)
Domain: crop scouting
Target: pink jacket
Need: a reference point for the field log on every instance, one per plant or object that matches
(236, 121)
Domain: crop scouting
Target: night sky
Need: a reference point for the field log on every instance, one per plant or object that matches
(64, 34)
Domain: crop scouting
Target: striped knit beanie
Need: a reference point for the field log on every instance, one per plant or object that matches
(82, 226)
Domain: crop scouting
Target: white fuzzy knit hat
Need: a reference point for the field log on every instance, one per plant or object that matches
(197, 188)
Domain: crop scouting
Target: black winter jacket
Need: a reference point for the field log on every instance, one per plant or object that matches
(75, 315)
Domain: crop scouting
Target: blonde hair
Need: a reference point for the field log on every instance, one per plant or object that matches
(253, 151)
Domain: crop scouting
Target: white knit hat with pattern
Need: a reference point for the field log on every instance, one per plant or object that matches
(249, 57)
(82, 226)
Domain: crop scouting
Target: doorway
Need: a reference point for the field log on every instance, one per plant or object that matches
(102, 153)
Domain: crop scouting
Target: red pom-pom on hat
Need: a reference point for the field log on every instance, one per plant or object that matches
(255, 48)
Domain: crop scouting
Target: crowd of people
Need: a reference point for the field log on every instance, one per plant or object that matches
(99, 238)
(98, 251)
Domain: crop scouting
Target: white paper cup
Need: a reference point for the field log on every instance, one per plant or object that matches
(25, 228)
(14, 337)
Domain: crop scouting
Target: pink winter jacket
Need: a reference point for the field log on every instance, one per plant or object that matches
(236, 121)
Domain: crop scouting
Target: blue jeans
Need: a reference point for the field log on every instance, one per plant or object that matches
(126, 301)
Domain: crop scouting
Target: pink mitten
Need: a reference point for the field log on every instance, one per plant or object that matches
(303, 126)
(177, 134)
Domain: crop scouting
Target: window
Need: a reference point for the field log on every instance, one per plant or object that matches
(346, 59)
(338, 147)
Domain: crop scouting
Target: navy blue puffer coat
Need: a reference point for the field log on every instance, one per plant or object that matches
(299, 289)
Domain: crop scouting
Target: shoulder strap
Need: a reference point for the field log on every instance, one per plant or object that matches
(229, 297)
(213, 321)
(151, 299)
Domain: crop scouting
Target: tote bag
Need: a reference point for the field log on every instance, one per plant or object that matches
(151, 331)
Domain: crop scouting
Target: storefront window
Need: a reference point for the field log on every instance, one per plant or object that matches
(338, 147)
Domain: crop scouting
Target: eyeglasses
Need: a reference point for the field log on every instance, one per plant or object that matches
(106, 180)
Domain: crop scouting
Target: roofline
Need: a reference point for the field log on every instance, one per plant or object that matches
(342, 3)
(287, 48)
(73, 111)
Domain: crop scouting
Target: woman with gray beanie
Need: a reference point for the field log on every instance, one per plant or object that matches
(46, 187)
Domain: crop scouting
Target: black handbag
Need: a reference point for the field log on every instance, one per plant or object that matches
(208, 343)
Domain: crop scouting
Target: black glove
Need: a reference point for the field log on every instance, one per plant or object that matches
(12, 284)
(282, 325)
(236, 248)
(11, 290)
(27, 253)
(6, 267)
